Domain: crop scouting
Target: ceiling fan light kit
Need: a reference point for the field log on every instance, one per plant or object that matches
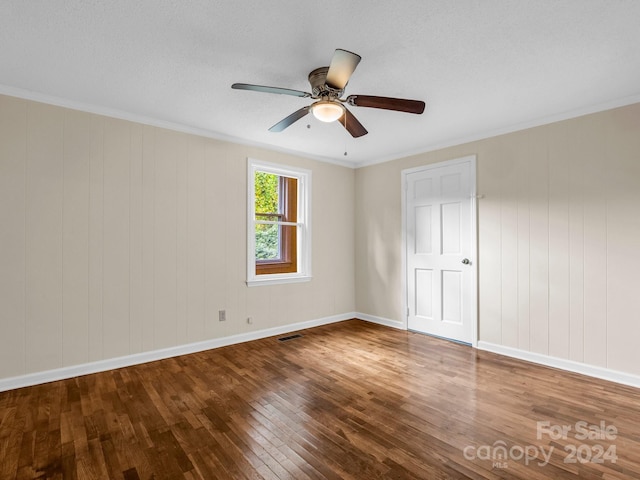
(327, 85)
(327, 110)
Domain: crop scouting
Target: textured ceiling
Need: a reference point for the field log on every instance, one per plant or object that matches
(481, 66)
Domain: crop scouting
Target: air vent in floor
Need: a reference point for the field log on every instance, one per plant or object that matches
(290, 337)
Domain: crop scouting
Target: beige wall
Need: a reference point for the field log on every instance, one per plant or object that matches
(119, 238)
(559, 234)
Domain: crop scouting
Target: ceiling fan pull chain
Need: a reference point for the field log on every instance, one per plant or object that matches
(345, 142)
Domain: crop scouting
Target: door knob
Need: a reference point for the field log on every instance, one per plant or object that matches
(466, 261)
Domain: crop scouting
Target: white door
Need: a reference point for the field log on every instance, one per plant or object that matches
(440, 249)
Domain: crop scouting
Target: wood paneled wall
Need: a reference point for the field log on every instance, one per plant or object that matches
(559, 232)
(118, 238)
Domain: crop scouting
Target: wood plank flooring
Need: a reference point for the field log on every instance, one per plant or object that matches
(350, 400)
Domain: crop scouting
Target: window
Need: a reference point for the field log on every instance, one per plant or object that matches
(279, 237)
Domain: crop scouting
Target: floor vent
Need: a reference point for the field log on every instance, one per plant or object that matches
(290, 337)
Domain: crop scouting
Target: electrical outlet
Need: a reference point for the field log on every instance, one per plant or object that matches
(249, 320)
(222, 315)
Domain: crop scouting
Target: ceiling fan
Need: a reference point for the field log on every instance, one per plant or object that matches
(327, 86)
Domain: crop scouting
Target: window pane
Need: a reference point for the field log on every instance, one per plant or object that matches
(267, 242)
(278, 195)
(267, 194)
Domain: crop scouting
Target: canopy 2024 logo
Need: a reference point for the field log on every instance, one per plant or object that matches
(499, 453)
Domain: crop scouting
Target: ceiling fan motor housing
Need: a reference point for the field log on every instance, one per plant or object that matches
(319, 87)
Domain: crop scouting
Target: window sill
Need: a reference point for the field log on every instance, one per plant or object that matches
(276, 279)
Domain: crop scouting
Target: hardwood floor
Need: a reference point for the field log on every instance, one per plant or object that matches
(345, 401)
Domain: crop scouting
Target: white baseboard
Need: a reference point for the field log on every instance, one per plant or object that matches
(381, 320)
(137, 358)
(563, 364)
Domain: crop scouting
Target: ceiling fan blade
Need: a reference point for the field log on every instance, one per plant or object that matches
(351, 123)
(294, 117)
(387, 103)
(265, 89)
(342, 66)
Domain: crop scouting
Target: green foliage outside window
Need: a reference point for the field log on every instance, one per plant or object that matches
(266, 188)
(267, 201)
(267, 245)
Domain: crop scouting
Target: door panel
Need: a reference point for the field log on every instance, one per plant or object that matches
(424, 289)
(451, 296)
(423, 188)
(450, 186)
(439, 215)
(450, 228)
(424, 232)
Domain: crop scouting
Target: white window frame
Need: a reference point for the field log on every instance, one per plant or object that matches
(303, 270)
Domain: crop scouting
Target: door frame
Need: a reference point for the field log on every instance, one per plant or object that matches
(471, 159)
